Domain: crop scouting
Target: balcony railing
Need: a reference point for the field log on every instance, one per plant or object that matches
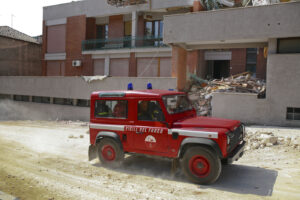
(121, 43)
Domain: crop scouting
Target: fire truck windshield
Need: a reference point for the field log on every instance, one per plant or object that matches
(176, 103)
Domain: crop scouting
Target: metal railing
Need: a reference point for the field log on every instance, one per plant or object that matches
(121, 43)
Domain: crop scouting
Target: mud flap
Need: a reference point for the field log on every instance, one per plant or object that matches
(92, 152)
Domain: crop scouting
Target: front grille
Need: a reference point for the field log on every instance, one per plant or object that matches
(237, 136)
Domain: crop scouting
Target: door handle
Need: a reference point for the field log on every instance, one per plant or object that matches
(138, 132)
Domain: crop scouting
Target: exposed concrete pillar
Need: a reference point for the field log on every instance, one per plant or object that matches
(192, 61)
(179, 56)
(106, 65)
(134, 25)
(197, 6)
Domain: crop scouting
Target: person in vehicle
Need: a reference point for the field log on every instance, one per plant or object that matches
(120, 110)
(102, 110)
(143, 113)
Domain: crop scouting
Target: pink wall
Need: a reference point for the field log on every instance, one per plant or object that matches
(99, 67)
(56, 39)
(165, 67)
(119, 67)
(147, 67)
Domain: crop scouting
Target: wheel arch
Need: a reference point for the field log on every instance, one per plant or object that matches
(205, 142)
(108, 134)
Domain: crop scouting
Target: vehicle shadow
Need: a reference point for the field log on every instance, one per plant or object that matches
(240, 179)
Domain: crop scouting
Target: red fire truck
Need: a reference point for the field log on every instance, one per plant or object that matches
(162, 123)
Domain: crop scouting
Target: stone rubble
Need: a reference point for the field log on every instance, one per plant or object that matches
(260, 140)
(200, 91)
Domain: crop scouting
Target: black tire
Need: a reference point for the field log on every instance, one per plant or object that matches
(110, 152)
(201, 165)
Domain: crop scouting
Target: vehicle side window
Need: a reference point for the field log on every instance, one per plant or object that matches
(150, 111)
(111, 109)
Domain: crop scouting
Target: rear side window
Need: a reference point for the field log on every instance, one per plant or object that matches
(111, 109)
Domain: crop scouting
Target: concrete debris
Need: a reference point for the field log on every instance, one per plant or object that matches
(90, 79)
(261, 140)
(200, 91)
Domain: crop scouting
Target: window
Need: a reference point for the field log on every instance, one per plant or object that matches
(176, 104)
(251, 60)
(150, 111)
(288, 45)
(40, 99)
(4, 96)
(63, 101)
(83, 103)
(102, 31)
(293, 113)
(21, 98)
(111, 109)
(154, 30)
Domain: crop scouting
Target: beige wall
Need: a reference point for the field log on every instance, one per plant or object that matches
(75, 87)
(56, 39)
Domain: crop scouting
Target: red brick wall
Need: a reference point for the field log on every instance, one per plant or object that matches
(116, 26)
(132, 65)
(75, 34)
(261, 65)
(192, 61)
(238, 61)
(91, 28)
(141, 26)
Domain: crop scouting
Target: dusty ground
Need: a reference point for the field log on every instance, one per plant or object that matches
(48, 160)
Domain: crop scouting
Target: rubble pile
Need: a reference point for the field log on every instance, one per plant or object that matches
(260, 140)
(200, 91)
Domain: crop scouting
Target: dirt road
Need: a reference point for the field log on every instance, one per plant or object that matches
(48, 160)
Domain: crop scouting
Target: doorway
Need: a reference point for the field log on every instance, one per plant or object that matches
(218, 69)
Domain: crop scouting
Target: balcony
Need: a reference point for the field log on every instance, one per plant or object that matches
(123, 43)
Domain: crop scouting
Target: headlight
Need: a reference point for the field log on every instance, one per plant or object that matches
(230, 135)
(228, 139)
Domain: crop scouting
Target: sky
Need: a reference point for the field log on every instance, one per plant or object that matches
(25, 16)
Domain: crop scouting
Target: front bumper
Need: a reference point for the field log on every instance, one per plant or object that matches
(236, 153)
(92, 152)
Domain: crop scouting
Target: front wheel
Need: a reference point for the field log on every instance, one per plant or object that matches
(201, 165)
(110, 152)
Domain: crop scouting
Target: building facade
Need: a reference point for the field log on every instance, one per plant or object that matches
(92, 37)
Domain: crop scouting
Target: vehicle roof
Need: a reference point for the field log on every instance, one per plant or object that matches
(135, 93)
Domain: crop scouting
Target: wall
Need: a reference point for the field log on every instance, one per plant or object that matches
(254, 24)
(238, 61)
(283, 72)
(62, 87)
(92, 8)
(75, 87)
(19, 58)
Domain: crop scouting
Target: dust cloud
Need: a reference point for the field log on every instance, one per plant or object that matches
(11, 110)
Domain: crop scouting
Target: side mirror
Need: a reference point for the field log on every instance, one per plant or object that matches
(165, 123)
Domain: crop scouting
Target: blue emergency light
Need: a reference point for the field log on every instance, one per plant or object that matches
(149, 86)
(130, 86)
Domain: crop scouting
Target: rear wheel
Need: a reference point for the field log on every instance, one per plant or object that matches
(110, 152)
(201, 165)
